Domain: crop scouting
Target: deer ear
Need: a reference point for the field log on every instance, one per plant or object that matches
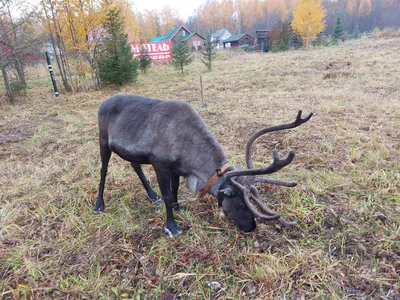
(227, 191)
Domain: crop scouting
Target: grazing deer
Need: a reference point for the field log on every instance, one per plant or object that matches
(173, 138)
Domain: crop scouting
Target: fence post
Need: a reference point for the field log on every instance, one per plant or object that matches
(53, 79)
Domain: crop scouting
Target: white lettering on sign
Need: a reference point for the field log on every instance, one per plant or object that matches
(156, 50)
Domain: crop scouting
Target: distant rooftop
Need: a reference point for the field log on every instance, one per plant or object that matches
(169, 35)
(234, 38)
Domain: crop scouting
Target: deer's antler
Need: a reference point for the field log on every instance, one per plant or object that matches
(256, 135)
(266, 209)
(277, 164)
(247, 195)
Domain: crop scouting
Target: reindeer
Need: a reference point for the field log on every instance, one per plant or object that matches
(173, 138)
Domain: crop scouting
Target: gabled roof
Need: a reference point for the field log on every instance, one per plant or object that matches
(186, 37)
(218, 33)
(235, 38)
(169, 35)
(261, 33)
(157, 39)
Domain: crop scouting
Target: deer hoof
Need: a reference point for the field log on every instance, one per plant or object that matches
(177, 207)
(155, 200)
(173, 230)
(98, 207)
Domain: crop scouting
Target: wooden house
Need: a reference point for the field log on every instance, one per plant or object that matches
(194, 40)
(219, 36)
(238, 40)
(263, 40)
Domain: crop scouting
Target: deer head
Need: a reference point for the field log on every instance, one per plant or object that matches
(238, 192)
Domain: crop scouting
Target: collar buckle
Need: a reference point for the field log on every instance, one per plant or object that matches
(218, 173)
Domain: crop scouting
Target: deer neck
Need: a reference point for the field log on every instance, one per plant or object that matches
(209, 179)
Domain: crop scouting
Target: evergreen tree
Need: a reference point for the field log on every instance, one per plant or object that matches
(281, 41)
(319, 39)
(208, 53)
(116, 65)
(181, 55)
(356, 32)
(144, 59)
(297, 42)
(339, 29)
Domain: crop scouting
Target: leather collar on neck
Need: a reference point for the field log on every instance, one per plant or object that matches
(221, 193)
(218, 173)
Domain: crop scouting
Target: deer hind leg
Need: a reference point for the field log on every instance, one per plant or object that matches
(164, 177)
(151, 194)
(105, 154)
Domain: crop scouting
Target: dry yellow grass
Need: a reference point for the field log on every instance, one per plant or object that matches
(347, 201)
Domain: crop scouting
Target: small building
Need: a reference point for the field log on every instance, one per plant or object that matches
(263, 40)
(5, 49)
(32, 56)
(238, 40)
(219, 36)
(194, 40)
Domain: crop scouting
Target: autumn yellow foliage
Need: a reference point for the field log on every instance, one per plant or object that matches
(365, 8)
(308, 20)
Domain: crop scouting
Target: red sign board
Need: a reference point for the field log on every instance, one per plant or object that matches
(156, 50)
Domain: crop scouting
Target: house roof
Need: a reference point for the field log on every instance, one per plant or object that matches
(235, 38)
(187, 37)
(218, 33)
(261, 33)
(156, 39)
(169, 35)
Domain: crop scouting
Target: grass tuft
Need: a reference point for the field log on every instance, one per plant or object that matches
(347, 202)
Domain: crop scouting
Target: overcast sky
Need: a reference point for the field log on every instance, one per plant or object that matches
(185, 8)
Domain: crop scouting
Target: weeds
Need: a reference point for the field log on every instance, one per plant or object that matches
(346, 203)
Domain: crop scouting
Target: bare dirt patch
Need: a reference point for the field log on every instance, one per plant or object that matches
(15, 135)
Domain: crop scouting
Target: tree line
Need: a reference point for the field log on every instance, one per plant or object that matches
(76, 30)
(86, 37)
(245, 16)
(89, 40)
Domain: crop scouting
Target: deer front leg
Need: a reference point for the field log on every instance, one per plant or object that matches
(164, 178)
(175, 188)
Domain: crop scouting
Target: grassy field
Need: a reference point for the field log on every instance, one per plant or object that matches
(347, 203)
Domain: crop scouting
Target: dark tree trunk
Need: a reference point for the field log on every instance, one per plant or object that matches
(5, 77)
(55, 43)
(19, 66)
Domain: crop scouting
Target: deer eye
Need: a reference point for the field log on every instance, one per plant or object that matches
(239, 206)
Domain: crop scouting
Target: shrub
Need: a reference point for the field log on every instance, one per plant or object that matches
(17, 86)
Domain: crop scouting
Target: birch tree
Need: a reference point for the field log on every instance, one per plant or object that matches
(308, 20)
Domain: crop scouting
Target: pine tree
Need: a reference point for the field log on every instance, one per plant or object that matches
(339, 29)
(181, 55)
(281, 41)
(116, 63)
(144, 59)
(208, 53)
(356, 32)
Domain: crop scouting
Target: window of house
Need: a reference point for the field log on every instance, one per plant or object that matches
(183, 33)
